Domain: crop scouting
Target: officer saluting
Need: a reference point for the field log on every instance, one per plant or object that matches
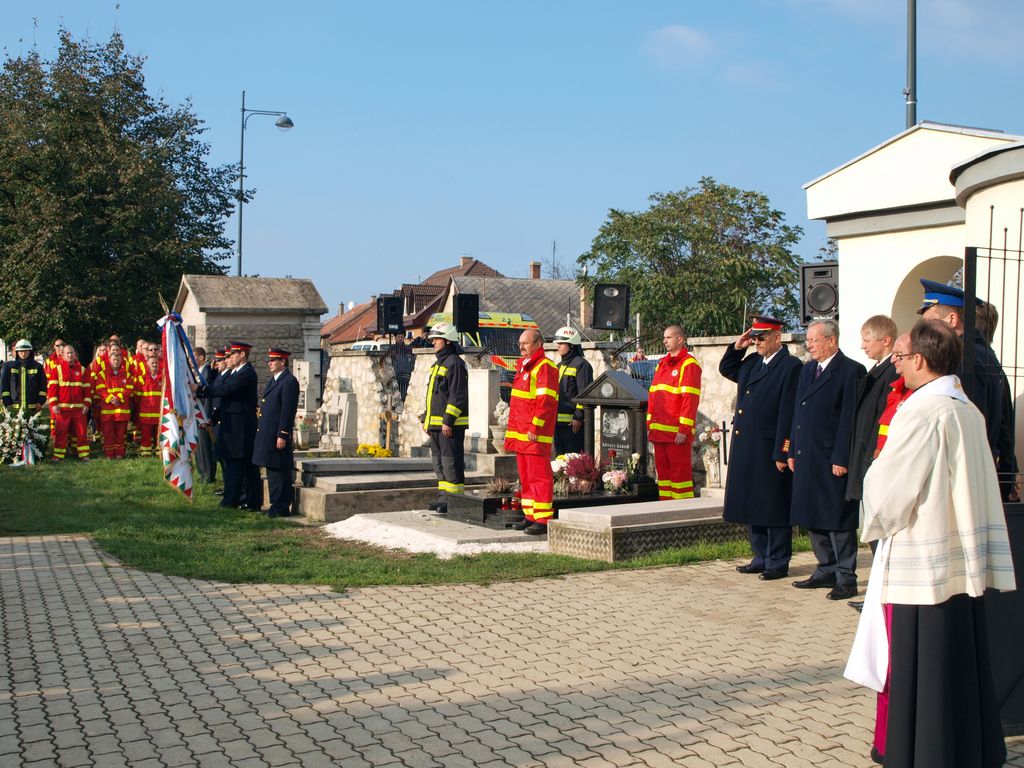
(758, 491)
(274, 447)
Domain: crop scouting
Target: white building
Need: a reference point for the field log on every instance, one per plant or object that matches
(908, 208)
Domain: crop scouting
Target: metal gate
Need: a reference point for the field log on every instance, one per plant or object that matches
(993, 275)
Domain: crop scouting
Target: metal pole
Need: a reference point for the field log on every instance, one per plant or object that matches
(241, 189)
(911, 89)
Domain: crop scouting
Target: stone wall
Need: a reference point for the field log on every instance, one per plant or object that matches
(361, 381)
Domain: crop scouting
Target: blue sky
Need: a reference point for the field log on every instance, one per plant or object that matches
(429, 130)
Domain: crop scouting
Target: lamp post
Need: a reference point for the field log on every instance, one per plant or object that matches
(285, 124)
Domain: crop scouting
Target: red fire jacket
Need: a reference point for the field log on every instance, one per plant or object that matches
(113, 393)
(70, 387)
(674, 395)
(533, 406)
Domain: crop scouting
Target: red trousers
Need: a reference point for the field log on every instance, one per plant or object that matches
(113, 438)
(147, 439)
(674, 465)
(70, 422)
(538, 484)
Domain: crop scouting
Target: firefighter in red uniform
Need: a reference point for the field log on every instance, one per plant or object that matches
(112, 397)
(147, 401)
(672, 415)
(69, 395)
(533, 413)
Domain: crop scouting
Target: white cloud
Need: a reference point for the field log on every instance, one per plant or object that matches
(678, 47)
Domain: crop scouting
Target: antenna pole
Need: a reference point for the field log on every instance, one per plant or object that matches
(911, 90)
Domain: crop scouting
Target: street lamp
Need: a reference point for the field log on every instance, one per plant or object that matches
(285, 124)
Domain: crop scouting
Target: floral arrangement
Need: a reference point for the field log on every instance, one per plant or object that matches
(23, 438)
(619, 480)
(575, 474)
(374, 451)
(709, 438)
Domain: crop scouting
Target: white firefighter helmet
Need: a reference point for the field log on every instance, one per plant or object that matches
(444, 331)
(23, 345)
(567, 335)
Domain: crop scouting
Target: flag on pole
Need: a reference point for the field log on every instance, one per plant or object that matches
(181, 413)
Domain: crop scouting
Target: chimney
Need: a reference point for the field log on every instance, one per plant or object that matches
(586, 309)
(465, 261)
(535, 270)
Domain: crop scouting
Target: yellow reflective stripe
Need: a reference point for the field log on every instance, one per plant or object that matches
(545, 391)
(564, 418)
(663, 427)
(691, 391)
(462, 421)
(521, 393)
(149, 393)
(667, 388)
(524, 438)
(689, 361)
(115, 412)
(538, 421)
(436, 421)
(149, 415)
(579, 406)
(428, 419)
(883, 429)
(454, 410)
(72, 383)
(74, 405)
(686, 422)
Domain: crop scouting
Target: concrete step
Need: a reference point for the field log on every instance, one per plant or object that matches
(361, 464)
(644, 513)
(322, 506)
(388, 480)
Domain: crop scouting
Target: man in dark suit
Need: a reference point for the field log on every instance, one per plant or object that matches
(877, 335)
(273, 449)
(206, 467)
(819, 456)
(758, 490)
(236, 389)
(990, 389)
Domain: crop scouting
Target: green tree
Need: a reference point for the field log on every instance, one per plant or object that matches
(106, 197)
(701, 257)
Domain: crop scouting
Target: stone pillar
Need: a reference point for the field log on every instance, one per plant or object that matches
(483, 396)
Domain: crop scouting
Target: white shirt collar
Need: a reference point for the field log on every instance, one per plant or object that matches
(772, 356)
(824, 363)
(947, 386)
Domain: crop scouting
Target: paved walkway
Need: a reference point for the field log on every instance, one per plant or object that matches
(688, 666)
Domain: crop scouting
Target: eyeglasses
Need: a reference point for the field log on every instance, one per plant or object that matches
(900, 356)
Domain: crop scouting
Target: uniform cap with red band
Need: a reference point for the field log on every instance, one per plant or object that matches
(762, 324)
(275, 353)
(239, 346)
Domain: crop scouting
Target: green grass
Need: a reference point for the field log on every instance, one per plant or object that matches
(134, 516)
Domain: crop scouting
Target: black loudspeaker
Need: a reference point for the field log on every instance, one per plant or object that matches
(389, 314)
(819, 291)
(611, 307)
(467, 312)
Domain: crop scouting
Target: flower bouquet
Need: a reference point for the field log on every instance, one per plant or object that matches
(576, 474)
(22, 437)
(709, 438)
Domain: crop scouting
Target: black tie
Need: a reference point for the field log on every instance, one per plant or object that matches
(818, 372)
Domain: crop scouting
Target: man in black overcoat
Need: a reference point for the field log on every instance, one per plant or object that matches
(819, 456)
(877, 336)
(206, 466)
(274, 447)
(758, 490)
(990, 389)
(236, 390)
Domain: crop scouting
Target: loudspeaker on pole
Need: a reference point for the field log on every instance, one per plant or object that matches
(819, 291)
(611, 307)
(467, 312)
(389, 314)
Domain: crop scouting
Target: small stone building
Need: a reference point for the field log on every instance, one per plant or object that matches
(265, 312)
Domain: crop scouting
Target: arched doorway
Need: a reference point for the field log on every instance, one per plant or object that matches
(909, 295)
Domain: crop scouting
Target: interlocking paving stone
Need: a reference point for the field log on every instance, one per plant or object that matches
(691, 666)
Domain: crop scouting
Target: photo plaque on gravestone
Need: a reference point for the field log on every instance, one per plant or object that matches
(615, 431)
